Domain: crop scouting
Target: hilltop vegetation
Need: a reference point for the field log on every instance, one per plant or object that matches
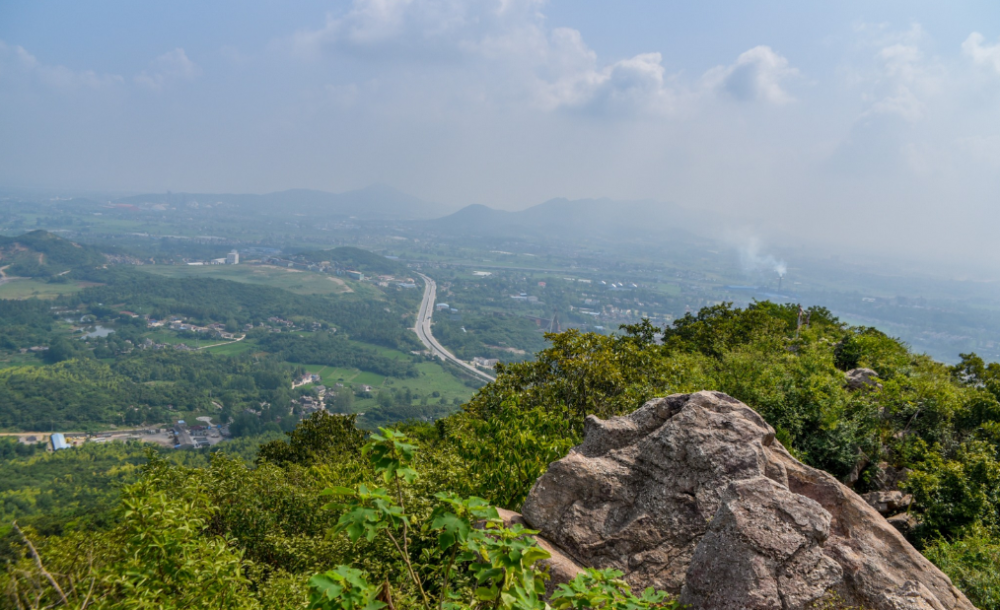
(357, 259)
(261, 532)
(41, 254)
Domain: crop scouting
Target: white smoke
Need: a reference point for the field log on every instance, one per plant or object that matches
(753, 261)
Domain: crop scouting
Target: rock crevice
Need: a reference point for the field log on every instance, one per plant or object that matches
(693, 494)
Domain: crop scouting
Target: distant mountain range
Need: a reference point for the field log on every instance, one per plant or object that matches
(563, 218)
(376, 202)
(605, 218)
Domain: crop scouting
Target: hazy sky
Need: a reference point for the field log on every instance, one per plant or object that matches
(853, 122)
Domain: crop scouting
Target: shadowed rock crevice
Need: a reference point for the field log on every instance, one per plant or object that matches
(692, 494)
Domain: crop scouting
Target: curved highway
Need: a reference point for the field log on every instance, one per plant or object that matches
(423, 330)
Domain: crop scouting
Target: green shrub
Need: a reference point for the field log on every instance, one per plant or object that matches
(973, 564)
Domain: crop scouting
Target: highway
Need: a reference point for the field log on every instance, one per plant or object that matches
(423, 330)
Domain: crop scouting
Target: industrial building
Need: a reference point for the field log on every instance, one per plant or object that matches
(59, 441)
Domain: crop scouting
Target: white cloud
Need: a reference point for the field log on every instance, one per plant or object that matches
(899, 79)
(903, 104)
(636, 84)
(167, 68)
(982, 54)
(757, 75)
(56, 77)
(504, 48)
(381, 27)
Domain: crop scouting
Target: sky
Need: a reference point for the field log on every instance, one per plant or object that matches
(872, 125)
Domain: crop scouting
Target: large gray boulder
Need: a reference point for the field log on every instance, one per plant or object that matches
(857, 379)
(692, 494)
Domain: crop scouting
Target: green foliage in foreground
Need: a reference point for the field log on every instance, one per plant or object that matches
(79, 489)
(972, 563)
(479, 562)
(224, 536)
(390, 531)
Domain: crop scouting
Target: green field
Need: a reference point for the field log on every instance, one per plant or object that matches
(18, 359)
(231, 349)
(433, 378)
(299, 282)
(31, 288)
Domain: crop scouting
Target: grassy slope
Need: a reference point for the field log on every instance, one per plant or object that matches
(299, 282)
(23, 288)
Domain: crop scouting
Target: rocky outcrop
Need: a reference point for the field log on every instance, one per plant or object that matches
(692, 494)
(862, 378)
(904, 522)
(887, 502)
(888, 478)
(763, 549)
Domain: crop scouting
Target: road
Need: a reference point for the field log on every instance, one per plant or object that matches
(223, 343)
(423, 330)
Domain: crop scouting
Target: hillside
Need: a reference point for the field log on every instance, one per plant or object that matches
(43, 254)
(850, 401)
(357, 259)
(572, 219)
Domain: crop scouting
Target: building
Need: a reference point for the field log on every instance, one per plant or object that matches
(355, 275)
(442, 306)
(486, 363)
(233, 258)
(59, 442)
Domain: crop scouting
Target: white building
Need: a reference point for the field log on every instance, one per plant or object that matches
(233, 258)
(59, 441)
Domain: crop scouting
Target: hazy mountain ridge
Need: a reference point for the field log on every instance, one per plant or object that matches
(562, 217)
(375, 202)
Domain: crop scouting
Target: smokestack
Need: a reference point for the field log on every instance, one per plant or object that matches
(779, 281)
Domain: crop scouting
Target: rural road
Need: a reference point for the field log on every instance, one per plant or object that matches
(423, 330)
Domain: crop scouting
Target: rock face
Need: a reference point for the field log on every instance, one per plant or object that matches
(860, 378)
(692, 494)
(888, 478)
(888, 502)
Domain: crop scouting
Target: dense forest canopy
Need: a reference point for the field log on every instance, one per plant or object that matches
(358, 260)
(24, 323)
(82, 393)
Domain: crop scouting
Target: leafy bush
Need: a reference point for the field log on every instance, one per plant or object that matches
(973, 564)
(478, 561)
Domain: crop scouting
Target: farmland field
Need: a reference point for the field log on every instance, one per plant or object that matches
(30, 288)
(299, 282)
(433, 378)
